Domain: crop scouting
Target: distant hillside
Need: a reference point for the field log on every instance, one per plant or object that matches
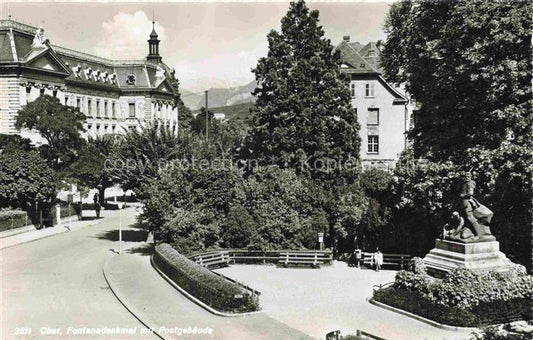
(219, 97)
(237, 111)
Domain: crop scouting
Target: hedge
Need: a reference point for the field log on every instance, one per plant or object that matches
(10, 219)
(120, 198)
(107, 206)
(200, 282)
(63, 210)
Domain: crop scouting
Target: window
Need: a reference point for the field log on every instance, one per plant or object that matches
(78, 103)
(132, 110)
(113, 110)
(369, 90)
(373, 117)
(373, 144)
(97, 108)
(90, 106)
(352, 90)
(105, 108)
(89, 127)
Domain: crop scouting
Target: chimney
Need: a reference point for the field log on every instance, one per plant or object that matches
(346, 38)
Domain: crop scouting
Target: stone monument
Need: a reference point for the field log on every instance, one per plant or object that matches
(466, 240)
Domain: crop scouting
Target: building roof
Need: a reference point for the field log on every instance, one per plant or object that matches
(6, 54)
(371, 53)
(363, 60)
(353, 61)
(82, 68)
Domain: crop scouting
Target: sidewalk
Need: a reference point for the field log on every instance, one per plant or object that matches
(159, 306)
(10, 238)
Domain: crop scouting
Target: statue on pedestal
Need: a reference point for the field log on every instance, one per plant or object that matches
(471, 222)
(466, 239)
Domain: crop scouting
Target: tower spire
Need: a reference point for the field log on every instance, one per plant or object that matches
(153, 44)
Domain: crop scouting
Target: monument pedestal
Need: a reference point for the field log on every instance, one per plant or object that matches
(477, 256)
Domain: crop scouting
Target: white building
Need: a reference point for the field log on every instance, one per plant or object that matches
(382, 110)
(114, 95)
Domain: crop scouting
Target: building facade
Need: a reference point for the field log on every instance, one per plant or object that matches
(382, 110)
(114, 95)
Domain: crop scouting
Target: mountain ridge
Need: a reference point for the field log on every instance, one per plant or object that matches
(219, 97)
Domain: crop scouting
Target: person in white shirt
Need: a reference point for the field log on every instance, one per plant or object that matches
(378, 259)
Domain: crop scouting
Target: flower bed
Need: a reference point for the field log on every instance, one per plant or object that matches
(200, 282)
(463, 298)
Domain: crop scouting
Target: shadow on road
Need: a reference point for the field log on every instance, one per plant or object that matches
(145, 250)
(127, 235)
(139, 225)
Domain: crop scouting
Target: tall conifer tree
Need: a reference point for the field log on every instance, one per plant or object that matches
(303, 116)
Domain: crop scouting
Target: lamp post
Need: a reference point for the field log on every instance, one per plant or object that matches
(321, 240)
(120, 230)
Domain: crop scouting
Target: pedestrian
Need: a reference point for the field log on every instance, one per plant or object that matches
(358, 257)
(78, 210)
(378, 259)
(97, 208)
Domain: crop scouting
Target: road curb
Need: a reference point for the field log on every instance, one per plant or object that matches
(195, 300)
(420, 318)
(133, 311)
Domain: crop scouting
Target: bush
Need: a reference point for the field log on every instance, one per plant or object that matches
(464, 288)
(417, 266)
(413, 302)
(238, 228)
(203, 284)
(10, 219)
(463, 297)
(499, 333)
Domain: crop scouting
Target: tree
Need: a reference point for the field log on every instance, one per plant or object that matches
(185, 115)
(14, 142)
(467, 64)
(90, 168)
(198, 124)
(238, 228)
(303, 113)
(142, 156)
(25, 179)
(59, 124)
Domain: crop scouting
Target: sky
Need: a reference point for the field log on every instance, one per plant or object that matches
(210, 44)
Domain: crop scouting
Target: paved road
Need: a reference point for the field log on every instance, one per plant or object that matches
(55, 283)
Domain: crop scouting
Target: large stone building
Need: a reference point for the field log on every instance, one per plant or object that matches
(383, 111)
(114, 95)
